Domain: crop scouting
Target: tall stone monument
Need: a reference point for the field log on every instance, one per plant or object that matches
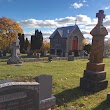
(15, 53)
(94, 75)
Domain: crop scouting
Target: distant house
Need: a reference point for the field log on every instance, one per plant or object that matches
(66, 40)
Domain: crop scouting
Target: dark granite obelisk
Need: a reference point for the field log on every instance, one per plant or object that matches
(94, 75)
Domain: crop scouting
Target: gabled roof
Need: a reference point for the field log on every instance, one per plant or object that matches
(64, 31)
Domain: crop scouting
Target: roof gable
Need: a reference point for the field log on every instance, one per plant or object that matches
(57, 34)
(64, 31)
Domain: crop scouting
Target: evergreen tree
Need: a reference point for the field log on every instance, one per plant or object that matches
(36, 40)
(21, 38)
(26, 44)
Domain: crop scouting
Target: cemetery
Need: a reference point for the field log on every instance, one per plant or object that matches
(67, 82)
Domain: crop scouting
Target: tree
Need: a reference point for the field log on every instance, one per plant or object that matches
(36, 41)
(45, 46)
(87, 48)
(85, 42)
(26, 44)
(21, 38)
(9, 30)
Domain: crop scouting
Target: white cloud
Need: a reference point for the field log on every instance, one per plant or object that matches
(77, 5)
(84, 1)
(66, 20)
(47, 33)
(85, 23)
(88, 38)
(108, 7)
(83, 19)
(84, 31)
(33, 23)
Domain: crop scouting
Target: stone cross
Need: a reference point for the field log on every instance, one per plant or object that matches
(15, 59)
(13, 47)
(94, 78)
(100, 17)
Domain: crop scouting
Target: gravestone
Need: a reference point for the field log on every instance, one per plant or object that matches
(38, 55)
(0, 53)
(19, 95)
(50, 58)
(94, 78)
(71, 57)
(81, 54)
(45, 92)
(15, 53)
(27, 95)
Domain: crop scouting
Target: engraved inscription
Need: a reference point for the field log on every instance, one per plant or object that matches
(14, 96)
(17, 101)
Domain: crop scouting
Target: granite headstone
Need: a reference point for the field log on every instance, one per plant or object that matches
(45, 91)
(19, 96)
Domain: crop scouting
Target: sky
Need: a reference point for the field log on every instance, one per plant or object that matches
(47, 15)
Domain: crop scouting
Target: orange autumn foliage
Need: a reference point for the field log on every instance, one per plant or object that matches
(9, 30)
(45, 46)
(85, 42)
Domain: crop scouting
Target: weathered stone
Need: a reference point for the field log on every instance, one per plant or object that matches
(66, 39)
(19, 96)
(94, 75)
(50, 58)
(45, 92)
(70, 57)
(96, 67)
(91, 85)
(27, 95)
(15, 59)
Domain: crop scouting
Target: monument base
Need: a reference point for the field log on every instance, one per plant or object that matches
(14, 60)
(93, 86)
(95, 76)
(96, 67)
(47, 103)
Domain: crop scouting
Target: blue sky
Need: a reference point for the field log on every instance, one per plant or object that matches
(47, 15)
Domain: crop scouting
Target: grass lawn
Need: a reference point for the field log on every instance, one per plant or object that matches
(66, 79)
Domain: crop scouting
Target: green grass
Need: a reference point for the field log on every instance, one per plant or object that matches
(23, 56)
(66, 79)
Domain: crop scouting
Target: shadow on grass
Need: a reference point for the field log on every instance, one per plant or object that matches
(70, 95)
(103, 106)
(74, 94)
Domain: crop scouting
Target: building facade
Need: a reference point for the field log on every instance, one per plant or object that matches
(66, 40)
